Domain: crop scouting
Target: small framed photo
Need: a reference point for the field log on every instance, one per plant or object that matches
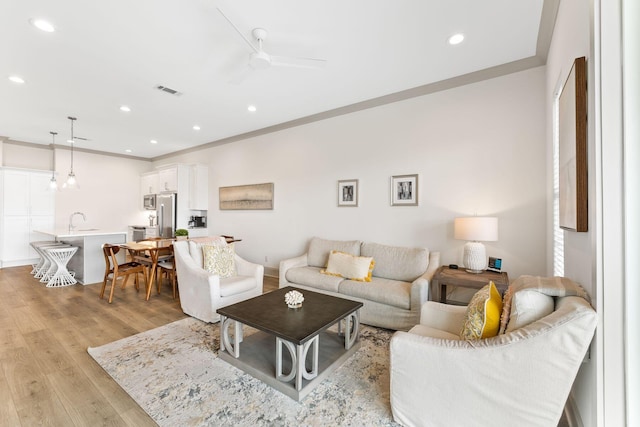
(348, 192)
(404, 190)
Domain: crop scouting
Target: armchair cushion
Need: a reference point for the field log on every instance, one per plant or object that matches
(195, 247)
(219, 260)
(528, 306)
(483, 314)
(236, 284)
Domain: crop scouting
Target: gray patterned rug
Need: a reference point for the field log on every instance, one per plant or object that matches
(174, 374)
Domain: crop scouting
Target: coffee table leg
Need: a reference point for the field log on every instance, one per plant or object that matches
(351, 328)
(298, 355)
(225, 340)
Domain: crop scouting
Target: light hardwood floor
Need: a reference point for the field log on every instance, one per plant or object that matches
(47, 376)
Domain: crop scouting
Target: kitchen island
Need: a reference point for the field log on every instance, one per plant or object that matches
(88, 262)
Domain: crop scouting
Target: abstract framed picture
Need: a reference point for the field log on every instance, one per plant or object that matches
(247, 197)
(348, 193)
(572, 144)
(404, 190)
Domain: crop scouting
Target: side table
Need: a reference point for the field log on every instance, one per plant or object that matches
(459, 277)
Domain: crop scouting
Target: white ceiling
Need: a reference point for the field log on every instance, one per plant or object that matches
(112, 53)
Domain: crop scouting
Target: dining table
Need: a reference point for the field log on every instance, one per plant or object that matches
(150, 252)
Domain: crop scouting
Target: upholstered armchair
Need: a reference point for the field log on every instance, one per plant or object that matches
(202, 292)
(520, 378)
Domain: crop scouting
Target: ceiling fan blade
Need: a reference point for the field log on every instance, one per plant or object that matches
(285, 61)
(241, 75)
(254, 48)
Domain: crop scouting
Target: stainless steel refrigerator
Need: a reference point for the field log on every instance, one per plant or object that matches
(166, 214)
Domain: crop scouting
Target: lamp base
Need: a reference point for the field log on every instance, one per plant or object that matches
(475, 257)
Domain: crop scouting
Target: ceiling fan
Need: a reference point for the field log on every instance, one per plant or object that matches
(260, 60)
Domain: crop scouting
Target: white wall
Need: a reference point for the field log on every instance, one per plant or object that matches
(478, 149)
(109, 193)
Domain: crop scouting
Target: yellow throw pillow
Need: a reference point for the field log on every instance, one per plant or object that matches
(482, 319)
(219, 260)
(349, 266)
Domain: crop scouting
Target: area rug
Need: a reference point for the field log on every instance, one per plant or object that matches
(174, 374)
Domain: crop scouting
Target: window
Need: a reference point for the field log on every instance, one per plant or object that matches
(558, 233)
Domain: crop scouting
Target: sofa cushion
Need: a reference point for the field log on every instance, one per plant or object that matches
(385, 291)
(528, 306)
(397, 263)
(319, 249)
(349, 266)
(195, 247)
(482, 319)
(311, 276)
(428, 331)
(236, 284)
(219, 260)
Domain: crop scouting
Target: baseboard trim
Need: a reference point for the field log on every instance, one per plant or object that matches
(571, 413)
(271, 272)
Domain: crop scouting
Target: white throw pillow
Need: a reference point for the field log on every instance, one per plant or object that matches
(349, 266)
(528, 306)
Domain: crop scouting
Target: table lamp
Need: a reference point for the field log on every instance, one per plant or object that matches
(475, 229)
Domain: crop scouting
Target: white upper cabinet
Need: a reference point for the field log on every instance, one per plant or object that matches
(149, 183)
(168, 179)
(27, 193)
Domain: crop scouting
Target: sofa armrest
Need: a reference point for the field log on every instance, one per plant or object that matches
(443, 316)
(286, 264)
(420, 286)
(246, 268)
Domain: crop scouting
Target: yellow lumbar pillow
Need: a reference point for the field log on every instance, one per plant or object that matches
(349, 266)
(482, 319)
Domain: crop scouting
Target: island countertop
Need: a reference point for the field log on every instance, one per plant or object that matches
(81, 232)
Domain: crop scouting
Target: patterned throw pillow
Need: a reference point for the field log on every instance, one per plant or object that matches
(482, 319)
(219, 260)
(349, 266)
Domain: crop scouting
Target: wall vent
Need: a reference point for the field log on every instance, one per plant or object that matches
(168, 90)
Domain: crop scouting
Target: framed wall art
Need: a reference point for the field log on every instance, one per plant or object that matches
(348, 193)
(572, 143)
(404, 190)
(246, 197)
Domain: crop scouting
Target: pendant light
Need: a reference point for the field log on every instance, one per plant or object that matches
(53, 184)
(71, 182)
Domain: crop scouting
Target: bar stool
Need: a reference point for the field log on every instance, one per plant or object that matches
(49, 268)
(35, 246)
(61, 276)
(46, 260)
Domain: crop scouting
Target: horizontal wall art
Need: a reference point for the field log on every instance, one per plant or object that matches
(348, 193)
(404, 190)
(247, 197)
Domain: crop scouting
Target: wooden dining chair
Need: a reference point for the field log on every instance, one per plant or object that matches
(142, 257)
(167, 267)
(114, 270)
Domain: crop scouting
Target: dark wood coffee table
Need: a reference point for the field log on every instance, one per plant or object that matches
(313, 351)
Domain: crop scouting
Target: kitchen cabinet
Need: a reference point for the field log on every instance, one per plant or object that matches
(27, 205)
(149, 183)
(168, 179)
(199, 187)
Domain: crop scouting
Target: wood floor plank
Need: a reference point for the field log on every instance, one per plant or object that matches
(8, 412)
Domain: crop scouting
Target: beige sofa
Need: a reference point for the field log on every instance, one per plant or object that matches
(398, 288)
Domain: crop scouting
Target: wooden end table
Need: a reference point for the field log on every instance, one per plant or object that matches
(459, 277)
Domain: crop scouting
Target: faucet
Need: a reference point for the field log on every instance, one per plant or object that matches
(71, 227)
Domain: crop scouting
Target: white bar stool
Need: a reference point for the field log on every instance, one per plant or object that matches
(35, 246)
(49, 268)
(61, 276)
(45, 263)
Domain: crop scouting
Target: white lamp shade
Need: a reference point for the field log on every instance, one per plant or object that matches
(476, 228)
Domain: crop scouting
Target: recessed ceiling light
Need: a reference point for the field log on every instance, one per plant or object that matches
(456, 39)
(125, 108)
(42, 25)
(252, 108)
(127, 151)
(196, 127)
(16, 79)
(153, 141)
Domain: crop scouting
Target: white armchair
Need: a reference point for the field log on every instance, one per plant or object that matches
(202, 293)
(521, 378)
